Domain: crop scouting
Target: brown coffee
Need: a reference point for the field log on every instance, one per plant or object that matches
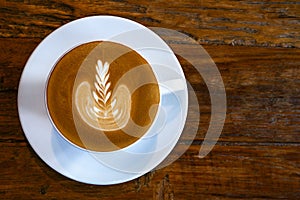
(102, 96)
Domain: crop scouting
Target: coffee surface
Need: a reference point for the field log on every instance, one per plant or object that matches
(102, 96)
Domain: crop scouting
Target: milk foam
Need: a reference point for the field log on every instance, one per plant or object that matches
(98, 106)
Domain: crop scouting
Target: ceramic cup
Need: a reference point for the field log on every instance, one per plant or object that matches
(102, 96)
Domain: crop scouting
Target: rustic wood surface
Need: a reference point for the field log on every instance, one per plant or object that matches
(256, 47)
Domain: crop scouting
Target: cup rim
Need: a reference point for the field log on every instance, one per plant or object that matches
(86, 149)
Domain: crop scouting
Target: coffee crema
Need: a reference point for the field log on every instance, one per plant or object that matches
(102, 96)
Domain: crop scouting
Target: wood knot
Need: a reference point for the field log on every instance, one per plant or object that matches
(143, 181)
(44, 189)
(164, 189)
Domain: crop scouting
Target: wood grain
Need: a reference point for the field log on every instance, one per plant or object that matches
(251, 23)
(255, 45)
(229, 172)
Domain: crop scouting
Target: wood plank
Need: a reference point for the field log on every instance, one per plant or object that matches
(262, 86)
(229, 172)
(252, 23)
(263, 93)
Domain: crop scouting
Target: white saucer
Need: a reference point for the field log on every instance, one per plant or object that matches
(113, 167)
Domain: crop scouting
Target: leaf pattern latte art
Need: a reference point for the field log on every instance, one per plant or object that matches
(102, 93)
(98, 106)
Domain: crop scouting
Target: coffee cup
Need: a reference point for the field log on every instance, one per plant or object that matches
(102, 96)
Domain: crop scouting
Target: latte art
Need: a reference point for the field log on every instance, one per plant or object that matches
(98, 107)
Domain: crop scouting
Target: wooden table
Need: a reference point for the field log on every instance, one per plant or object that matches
(255, 45)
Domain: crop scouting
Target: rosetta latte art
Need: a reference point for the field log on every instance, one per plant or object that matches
(98, 106)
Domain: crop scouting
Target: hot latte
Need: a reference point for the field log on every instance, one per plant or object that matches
(102, 96)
